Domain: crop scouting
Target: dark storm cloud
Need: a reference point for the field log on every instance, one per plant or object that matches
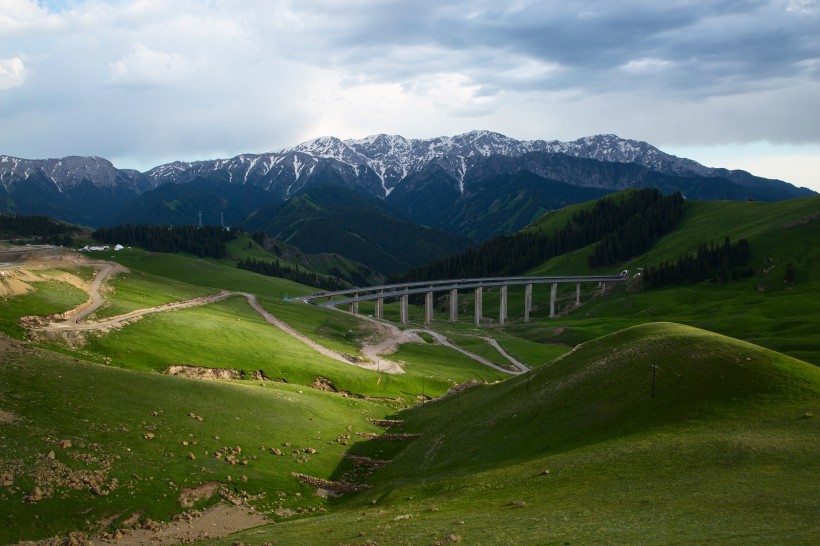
(700, 48)
(145, 81)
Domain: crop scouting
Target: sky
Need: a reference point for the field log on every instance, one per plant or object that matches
(728, 83)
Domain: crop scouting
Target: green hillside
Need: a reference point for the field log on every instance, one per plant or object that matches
(576, 451)
(764, 309)
(336, 220)
(105, 393)
(112, 469)
(579, 451)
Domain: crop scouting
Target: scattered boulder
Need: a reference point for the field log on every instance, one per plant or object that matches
(64, 444)
(148, 436)
(150, 525)
(98, 491)
(38, 494)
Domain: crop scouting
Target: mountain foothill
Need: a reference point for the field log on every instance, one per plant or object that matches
(387, 202)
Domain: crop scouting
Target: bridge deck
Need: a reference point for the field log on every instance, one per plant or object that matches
(406, 289)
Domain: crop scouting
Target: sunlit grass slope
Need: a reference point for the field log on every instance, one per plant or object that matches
(579, 451)
(106, 413)
(230, 334)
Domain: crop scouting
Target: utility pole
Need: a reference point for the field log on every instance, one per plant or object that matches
(654, 369)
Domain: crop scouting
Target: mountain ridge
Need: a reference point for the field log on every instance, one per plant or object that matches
(451, 170)
(391, 158)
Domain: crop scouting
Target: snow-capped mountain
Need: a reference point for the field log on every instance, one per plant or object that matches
(427, 177)
(70, 171)
(380, 163)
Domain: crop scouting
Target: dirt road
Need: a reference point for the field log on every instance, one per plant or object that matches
(393, 337)
(386, 341)
(72, 321)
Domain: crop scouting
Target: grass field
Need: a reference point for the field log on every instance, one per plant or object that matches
(105, 412)
(726, 451)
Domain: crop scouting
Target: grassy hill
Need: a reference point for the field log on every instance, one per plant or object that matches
(725, 451)
(765, 309)
(579, 451)
(106, 394)
(112, 469)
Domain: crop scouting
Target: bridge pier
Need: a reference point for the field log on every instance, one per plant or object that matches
(479, 296)
(527, 302)
(380, 306)
(502, 309)
(405, 312)
(402, 292)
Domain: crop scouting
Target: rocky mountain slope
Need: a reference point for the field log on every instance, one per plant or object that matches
(449, 175)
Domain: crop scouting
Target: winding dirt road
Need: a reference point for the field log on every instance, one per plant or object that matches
(395, 337)
(71, 320)
(385, 342)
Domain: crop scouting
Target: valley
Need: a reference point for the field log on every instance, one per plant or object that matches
(679, 413)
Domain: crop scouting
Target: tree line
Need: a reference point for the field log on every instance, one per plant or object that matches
(22, 229)
(646, 220)
(715, 262)
(205, 241)
(625, 225)
(21, 225)
(284, 271)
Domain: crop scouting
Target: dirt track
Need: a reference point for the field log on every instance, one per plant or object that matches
(395, 337)
(71, 320)
(384, 343)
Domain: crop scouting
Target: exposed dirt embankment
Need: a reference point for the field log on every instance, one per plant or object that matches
(223, 374)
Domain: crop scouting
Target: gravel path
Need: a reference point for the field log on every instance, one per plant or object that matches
(385, 342)
(393, 336)
(73, 318)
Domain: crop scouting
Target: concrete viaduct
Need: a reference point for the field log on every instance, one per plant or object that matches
(403, 291)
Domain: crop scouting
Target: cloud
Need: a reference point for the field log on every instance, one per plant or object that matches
(154, 80)
(12, 73)
(143, 65)
(802, 6)
(18, 17)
